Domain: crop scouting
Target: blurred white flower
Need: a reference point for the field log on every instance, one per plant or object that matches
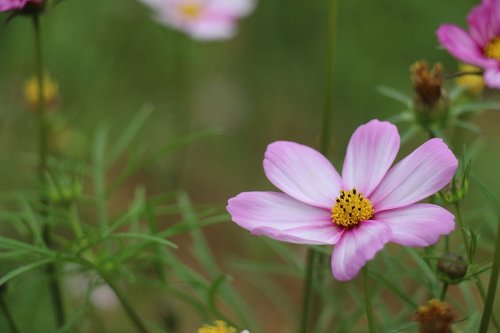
(202, 19)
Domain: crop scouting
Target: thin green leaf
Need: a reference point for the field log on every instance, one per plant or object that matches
(489, 194)
(8, 243)
(463, 109)
(145, 237)
(23, 269)
(392, 287)
(396, 95)
(122, 143)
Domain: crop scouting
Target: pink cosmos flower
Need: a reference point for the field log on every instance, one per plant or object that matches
(358, 212)
(202, 19)
(6, 5)
(481, 45)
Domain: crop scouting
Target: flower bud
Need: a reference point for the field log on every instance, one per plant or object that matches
(435, 316)
(63, 190)
(431, 102)
(31, 92)
(458, 187)
(451, 268)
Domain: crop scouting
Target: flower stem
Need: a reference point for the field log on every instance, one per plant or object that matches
(368, 301)
(55, 289)
(308, 290)
(490, 298)
(314, 258)
(326, 124)
(471, 260)
(134, 317)
(10, 319)
(42, 126)
(443, 291)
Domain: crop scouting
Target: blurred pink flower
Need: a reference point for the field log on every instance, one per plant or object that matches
(202, 19)
(6, 5)
(358, 212)
(480, 46)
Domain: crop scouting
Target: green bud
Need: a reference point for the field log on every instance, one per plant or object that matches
(458, 187)
(451, 268)
(63, 190)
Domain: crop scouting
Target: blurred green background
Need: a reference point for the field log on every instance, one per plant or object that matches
(111, 59)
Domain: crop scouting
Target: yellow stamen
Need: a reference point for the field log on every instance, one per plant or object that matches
(492, 50)
(351, 208)
(219, 327)
(191, 10)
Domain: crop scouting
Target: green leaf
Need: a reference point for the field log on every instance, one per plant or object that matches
(392, 287)
(396, 95)
(123, 141)
(23, 269)
(145, 237)
(12, 244)
(462, 109)
(489, 194)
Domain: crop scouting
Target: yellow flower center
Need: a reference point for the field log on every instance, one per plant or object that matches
(191, 10)
(219, 327)
(492, 50)
(351, 207)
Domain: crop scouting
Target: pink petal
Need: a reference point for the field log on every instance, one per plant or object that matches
(302, 173)
(492, 78)
(418, 224)
(483, 23)
(12, 4)
(357, 246)
(461, 45)
(208, 28)
(422, 173)
(371, 151)
(281, 217)
(235, 8)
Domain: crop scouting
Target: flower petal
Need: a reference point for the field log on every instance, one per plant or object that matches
(211, 28)
(483, 23)
(492, 78)
(233, 8)
(418, 224)
(281, 217)
(357, 246)
(461, 45)
(302, 173)
(422, 173)
(371, 151)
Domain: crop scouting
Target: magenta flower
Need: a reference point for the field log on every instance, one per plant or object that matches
(202, 19)
(359, 212)
(6, 5)
(481, 45)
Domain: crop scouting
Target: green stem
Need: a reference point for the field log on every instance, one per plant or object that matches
(368, 301)
(490, 298)
(314, 258)
(308, 290)
(326, 124)
(75, 221)
(462, 231)
(10, 319)
(443, 291)
(471, 260)
(55, 289)
(134, 317)
(42, 126)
